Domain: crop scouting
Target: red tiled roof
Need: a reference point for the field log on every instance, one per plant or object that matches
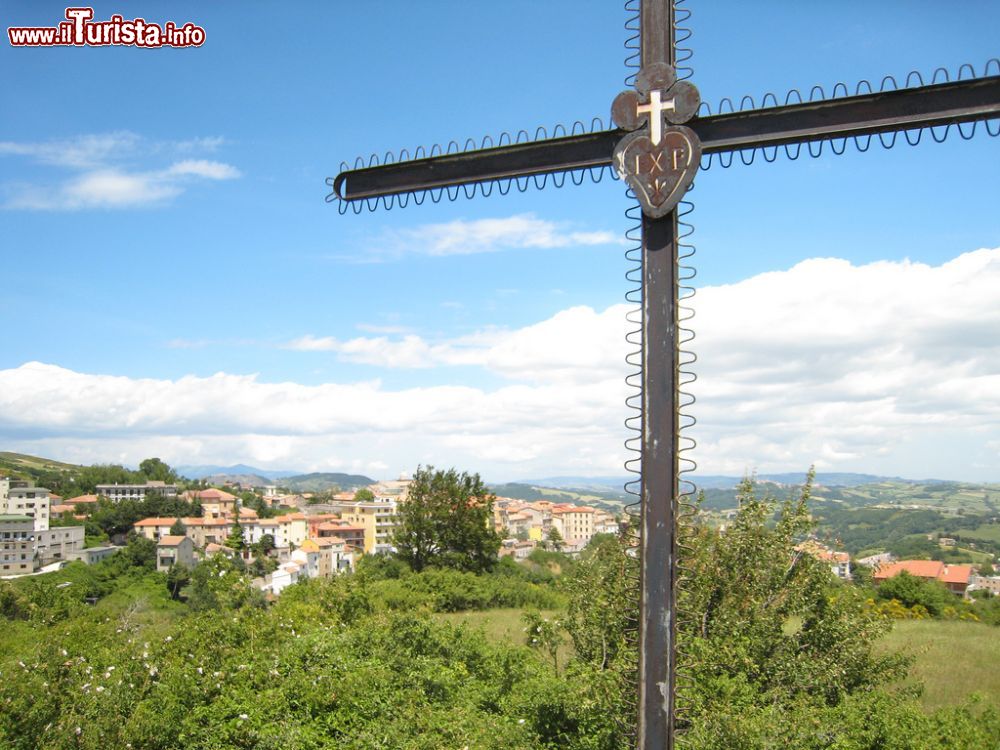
(155, 522)
(170, 541)
(215, 495)
(919, 568)
(327, 541)
(338, 526)
(82, 499)
(956, 574)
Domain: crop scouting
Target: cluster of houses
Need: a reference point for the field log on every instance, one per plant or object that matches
(525, 525)
(959, 579)
(26, 540)
(839, 562)
(318, 540)
(309, 540)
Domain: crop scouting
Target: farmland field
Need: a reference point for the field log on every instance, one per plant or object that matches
(953, 659)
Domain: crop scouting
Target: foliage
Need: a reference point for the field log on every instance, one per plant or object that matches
(118, 518)
(177, 528)
(779, 654)
(153, 469)
(554, 540)
(543, 634)
(178, 576)
(364, 495)
(447, 590)
(221, 583)
(911, 591)
(70, 481)
(236, 540)
(447, 521)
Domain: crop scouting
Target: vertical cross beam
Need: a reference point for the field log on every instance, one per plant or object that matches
(658, 543)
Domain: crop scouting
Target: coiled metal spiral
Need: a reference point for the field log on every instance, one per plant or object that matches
(634, 337)
(841, 90)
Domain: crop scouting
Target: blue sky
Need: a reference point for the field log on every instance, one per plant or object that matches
(171, 265)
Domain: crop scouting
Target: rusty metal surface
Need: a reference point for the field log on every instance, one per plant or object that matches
(658, 616)
(658, 543)
(868, 114)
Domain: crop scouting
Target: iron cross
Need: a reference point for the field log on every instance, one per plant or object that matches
(656, 149)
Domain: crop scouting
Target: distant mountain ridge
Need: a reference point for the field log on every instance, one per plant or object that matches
(296, 481)
(204, 471)
(321, 481)
(719, 481)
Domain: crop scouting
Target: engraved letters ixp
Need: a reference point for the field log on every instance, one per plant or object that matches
(659, 164)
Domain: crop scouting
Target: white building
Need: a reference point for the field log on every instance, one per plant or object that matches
(33, 502)
(118, 492)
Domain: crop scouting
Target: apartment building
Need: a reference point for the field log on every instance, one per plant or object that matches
(33, 502)
(138, 492)
(574, 523)
(17, 544)
(58, 543)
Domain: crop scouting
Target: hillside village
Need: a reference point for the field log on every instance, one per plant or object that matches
(299, 535)
(295, 536)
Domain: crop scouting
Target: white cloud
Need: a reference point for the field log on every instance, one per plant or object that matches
(211, 170)
(462, 237)
(105, 172)
(890, 367)
(81, 152)
(573, 342)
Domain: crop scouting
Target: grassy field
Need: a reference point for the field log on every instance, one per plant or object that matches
(988, 531)
(498, 624)
(953, 659)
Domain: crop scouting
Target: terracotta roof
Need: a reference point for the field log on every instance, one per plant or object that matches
(170, 541)
(919, 568)
(83, 499)
(62, 508)
(327, 541)
(956, 574)
(338, 526)
(155, 522)
(215, 495)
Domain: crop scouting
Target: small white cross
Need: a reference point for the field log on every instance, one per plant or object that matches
(655, 108)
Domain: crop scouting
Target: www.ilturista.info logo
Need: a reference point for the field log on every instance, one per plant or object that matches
(80, 30)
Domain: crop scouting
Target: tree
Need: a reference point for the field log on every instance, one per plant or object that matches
(178, 576)
(140, 552)
(235, 539)
(266, 544)
(555, 539)
(178, 528)
(364, 495)
(911, 591)
(447, 521)
(764, 631)
(156, 470)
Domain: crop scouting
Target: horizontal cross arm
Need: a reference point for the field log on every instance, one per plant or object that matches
(866, 114)
(502, 162)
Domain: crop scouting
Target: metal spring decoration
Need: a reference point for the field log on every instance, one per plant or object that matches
(597, 125)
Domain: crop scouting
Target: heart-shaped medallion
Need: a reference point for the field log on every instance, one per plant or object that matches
(659, 174)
